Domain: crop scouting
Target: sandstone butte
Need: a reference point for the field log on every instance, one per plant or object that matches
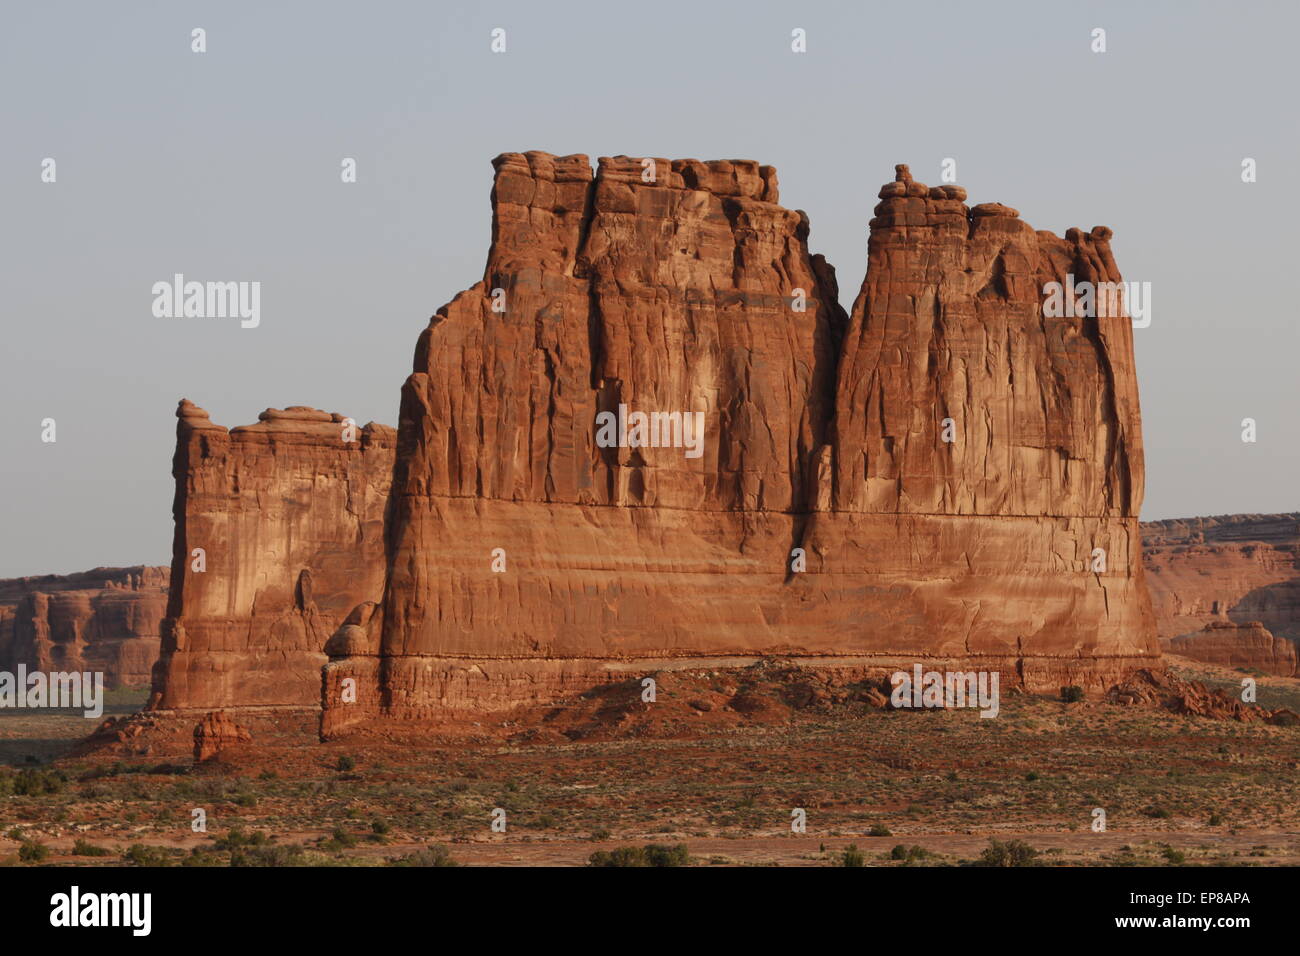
(826, 518)
(106, 620)
(1226, 589)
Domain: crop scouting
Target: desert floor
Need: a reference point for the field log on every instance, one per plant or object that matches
(1176, 790)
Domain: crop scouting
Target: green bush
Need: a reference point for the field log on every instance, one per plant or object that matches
(652, 854)
(852, 856)
(140, 855)
(37, 783)
(266, 856)
(345, 764)
(879, 830)
(1072, 694)
(437, 855)
(82, 848)
(1010, 853)
(236, 837)
(908, 854)
(32, 852)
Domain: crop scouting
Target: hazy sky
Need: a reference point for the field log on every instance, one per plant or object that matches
(225, 165)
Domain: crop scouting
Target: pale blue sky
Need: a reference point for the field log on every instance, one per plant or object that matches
(225, 165)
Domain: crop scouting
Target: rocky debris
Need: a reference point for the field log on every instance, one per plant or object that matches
(691, 701)
(215, 733)
(106, 620)
(1248, 646)
(1163, 689)
(289, 516)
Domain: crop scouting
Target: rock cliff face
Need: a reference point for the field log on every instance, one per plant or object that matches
(105, 620)
(1236, 569)
(1249, 646)
(929, 478)
(279, 534)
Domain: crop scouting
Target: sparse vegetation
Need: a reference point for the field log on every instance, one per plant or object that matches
(1009, 853)
(431, 856)
(652, 854)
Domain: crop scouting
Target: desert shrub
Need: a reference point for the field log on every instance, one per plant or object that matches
(266, 856)
(36, 783)
(1072, 694)
(652, 854)
(237, 837)
(345, 764)
(437, 855)
(1010, 853)
(340, 839)
(909, 853)
(138, 854)
(852, 856)
(879, 830)
(1174, 857)
(379, 827)
(83, 848)
(32, 852)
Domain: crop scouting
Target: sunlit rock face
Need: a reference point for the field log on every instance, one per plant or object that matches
(946, 473)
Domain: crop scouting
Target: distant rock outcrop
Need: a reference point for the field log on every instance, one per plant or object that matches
(1208, 574)
(105, 620)
(1249, 646)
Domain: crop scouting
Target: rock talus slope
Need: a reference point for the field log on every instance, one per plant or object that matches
(825, 515)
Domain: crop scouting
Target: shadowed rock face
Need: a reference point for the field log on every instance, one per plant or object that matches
(289, 518)
(105, 620)
(1229, 569)
(696, 292)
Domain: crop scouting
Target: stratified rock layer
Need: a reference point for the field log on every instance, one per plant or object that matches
(279, 534)
(1250, 646)
(1229, 569)
(825, 517)
(105, 620)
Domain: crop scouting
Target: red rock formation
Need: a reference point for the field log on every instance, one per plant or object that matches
(1238, 568)
(1249, 646)
(691, 290)
(289, 516)
(105, 620)
(982, 545)
(215, 733)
